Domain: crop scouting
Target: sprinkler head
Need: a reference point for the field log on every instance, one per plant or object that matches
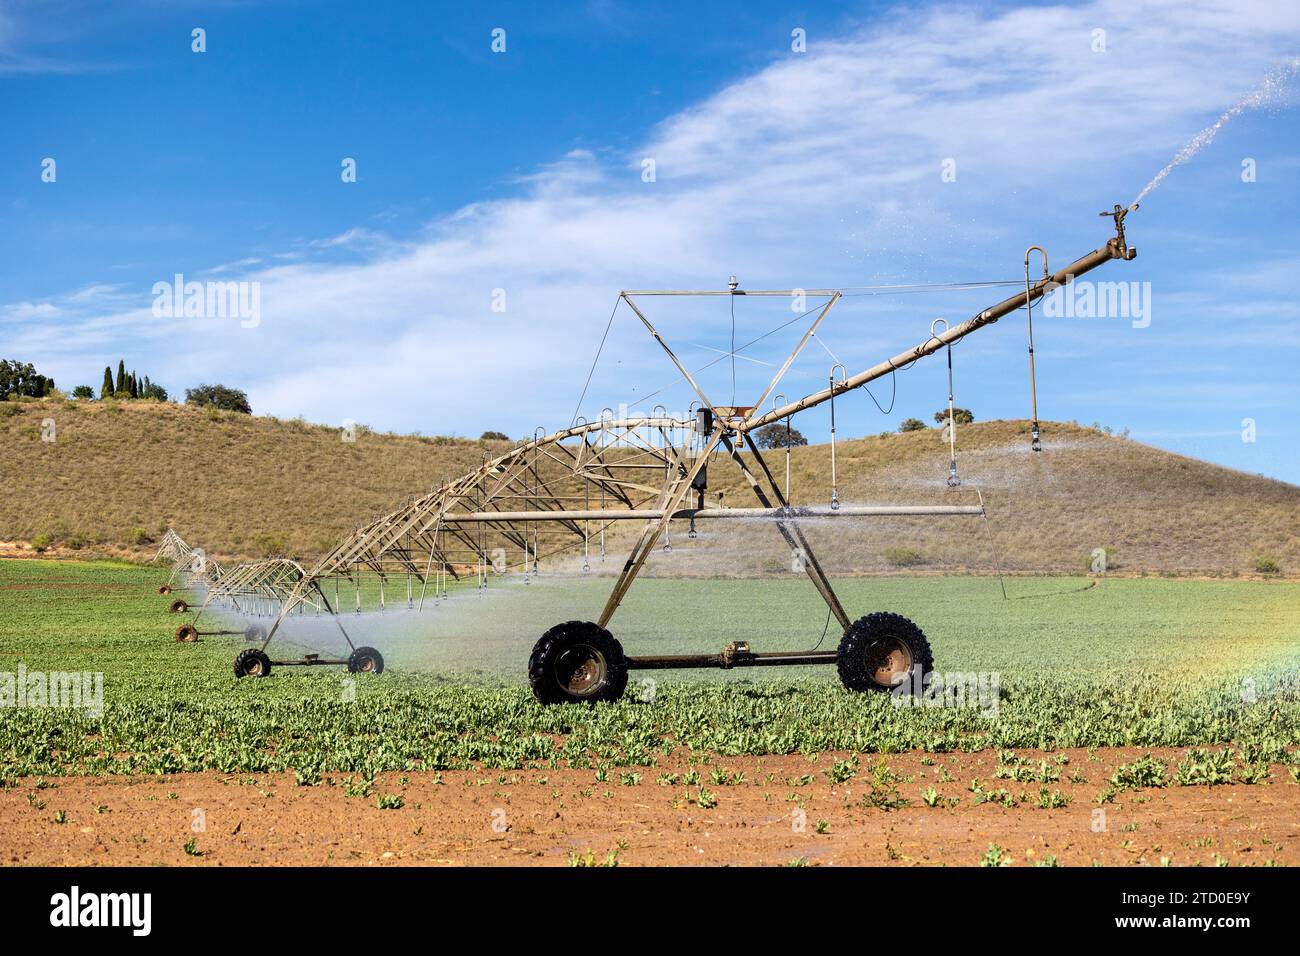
(835, 500)
(733, 284)
(1033, 438)
(1121, 243)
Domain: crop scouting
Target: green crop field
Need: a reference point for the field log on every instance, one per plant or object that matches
(1147, 662)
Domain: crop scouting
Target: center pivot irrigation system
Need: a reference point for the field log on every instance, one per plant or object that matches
(560, 493)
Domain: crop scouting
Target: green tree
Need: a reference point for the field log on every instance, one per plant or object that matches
(911, 425)
(218, 396)
(106, 390)
(21, 378)
(962, 416)
(494, 436)
(775, 436)
(120, 386)
(83, 392)
(134, 385)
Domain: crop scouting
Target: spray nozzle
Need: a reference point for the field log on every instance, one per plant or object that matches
(1121, 243)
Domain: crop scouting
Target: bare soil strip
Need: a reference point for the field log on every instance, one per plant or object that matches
(557, 817)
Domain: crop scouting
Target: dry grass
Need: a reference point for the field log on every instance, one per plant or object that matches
(233, 484)
(242, 486)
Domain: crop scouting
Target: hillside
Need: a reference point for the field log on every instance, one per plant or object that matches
(242, 487)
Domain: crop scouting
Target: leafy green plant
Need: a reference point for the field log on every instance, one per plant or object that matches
(1053, 800)
(843, 770)
(1200, 767)
(882, 792)
(995, 856)
(1144, 772)
(589, 859)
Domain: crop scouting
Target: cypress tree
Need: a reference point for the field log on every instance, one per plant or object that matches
(106, 390)
(135, 388)
(121, 377)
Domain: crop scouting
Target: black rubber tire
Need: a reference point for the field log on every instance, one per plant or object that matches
(549, 658)
(255, 632)
(864, 640)
(366, 660)
(164, 589)
(179, 606)
(186, 634)
(250, 662)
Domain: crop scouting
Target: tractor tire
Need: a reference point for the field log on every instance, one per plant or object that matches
(186, 634)
(366, 660)
(577, 662)
(878, 652)
(179, 606)
(250, 662)
(255, 633)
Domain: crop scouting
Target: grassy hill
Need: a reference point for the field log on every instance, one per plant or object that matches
(118, 474)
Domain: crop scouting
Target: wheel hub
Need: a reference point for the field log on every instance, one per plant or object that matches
(888, 662)
(581, 669)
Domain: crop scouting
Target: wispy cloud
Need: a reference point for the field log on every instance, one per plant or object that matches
(820, 168)
(23, 32)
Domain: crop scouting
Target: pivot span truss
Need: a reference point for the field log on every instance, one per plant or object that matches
(191, 566)
(559, 494)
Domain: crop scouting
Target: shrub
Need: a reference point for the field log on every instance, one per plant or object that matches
(904, 557)
(494, 436)
(1262, 563)
(139, 536)
(911, 425)
(270, 545)
(41, 543)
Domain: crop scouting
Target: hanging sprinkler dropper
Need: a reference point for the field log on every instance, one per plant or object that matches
(1034, 432)
(953, 480)
(835, 494)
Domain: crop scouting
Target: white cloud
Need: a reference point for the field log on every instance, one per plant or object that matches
(28, 311)
(822, 168)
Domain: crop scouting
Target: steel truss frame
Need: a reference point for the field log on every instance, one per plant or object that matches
(191, 565)
(552, 494)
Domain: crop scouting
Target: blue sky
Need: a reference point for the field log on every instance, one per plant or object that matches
(522, 171)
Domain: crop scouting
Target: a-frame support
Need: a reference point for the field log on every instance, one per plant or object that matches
(677, 487)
